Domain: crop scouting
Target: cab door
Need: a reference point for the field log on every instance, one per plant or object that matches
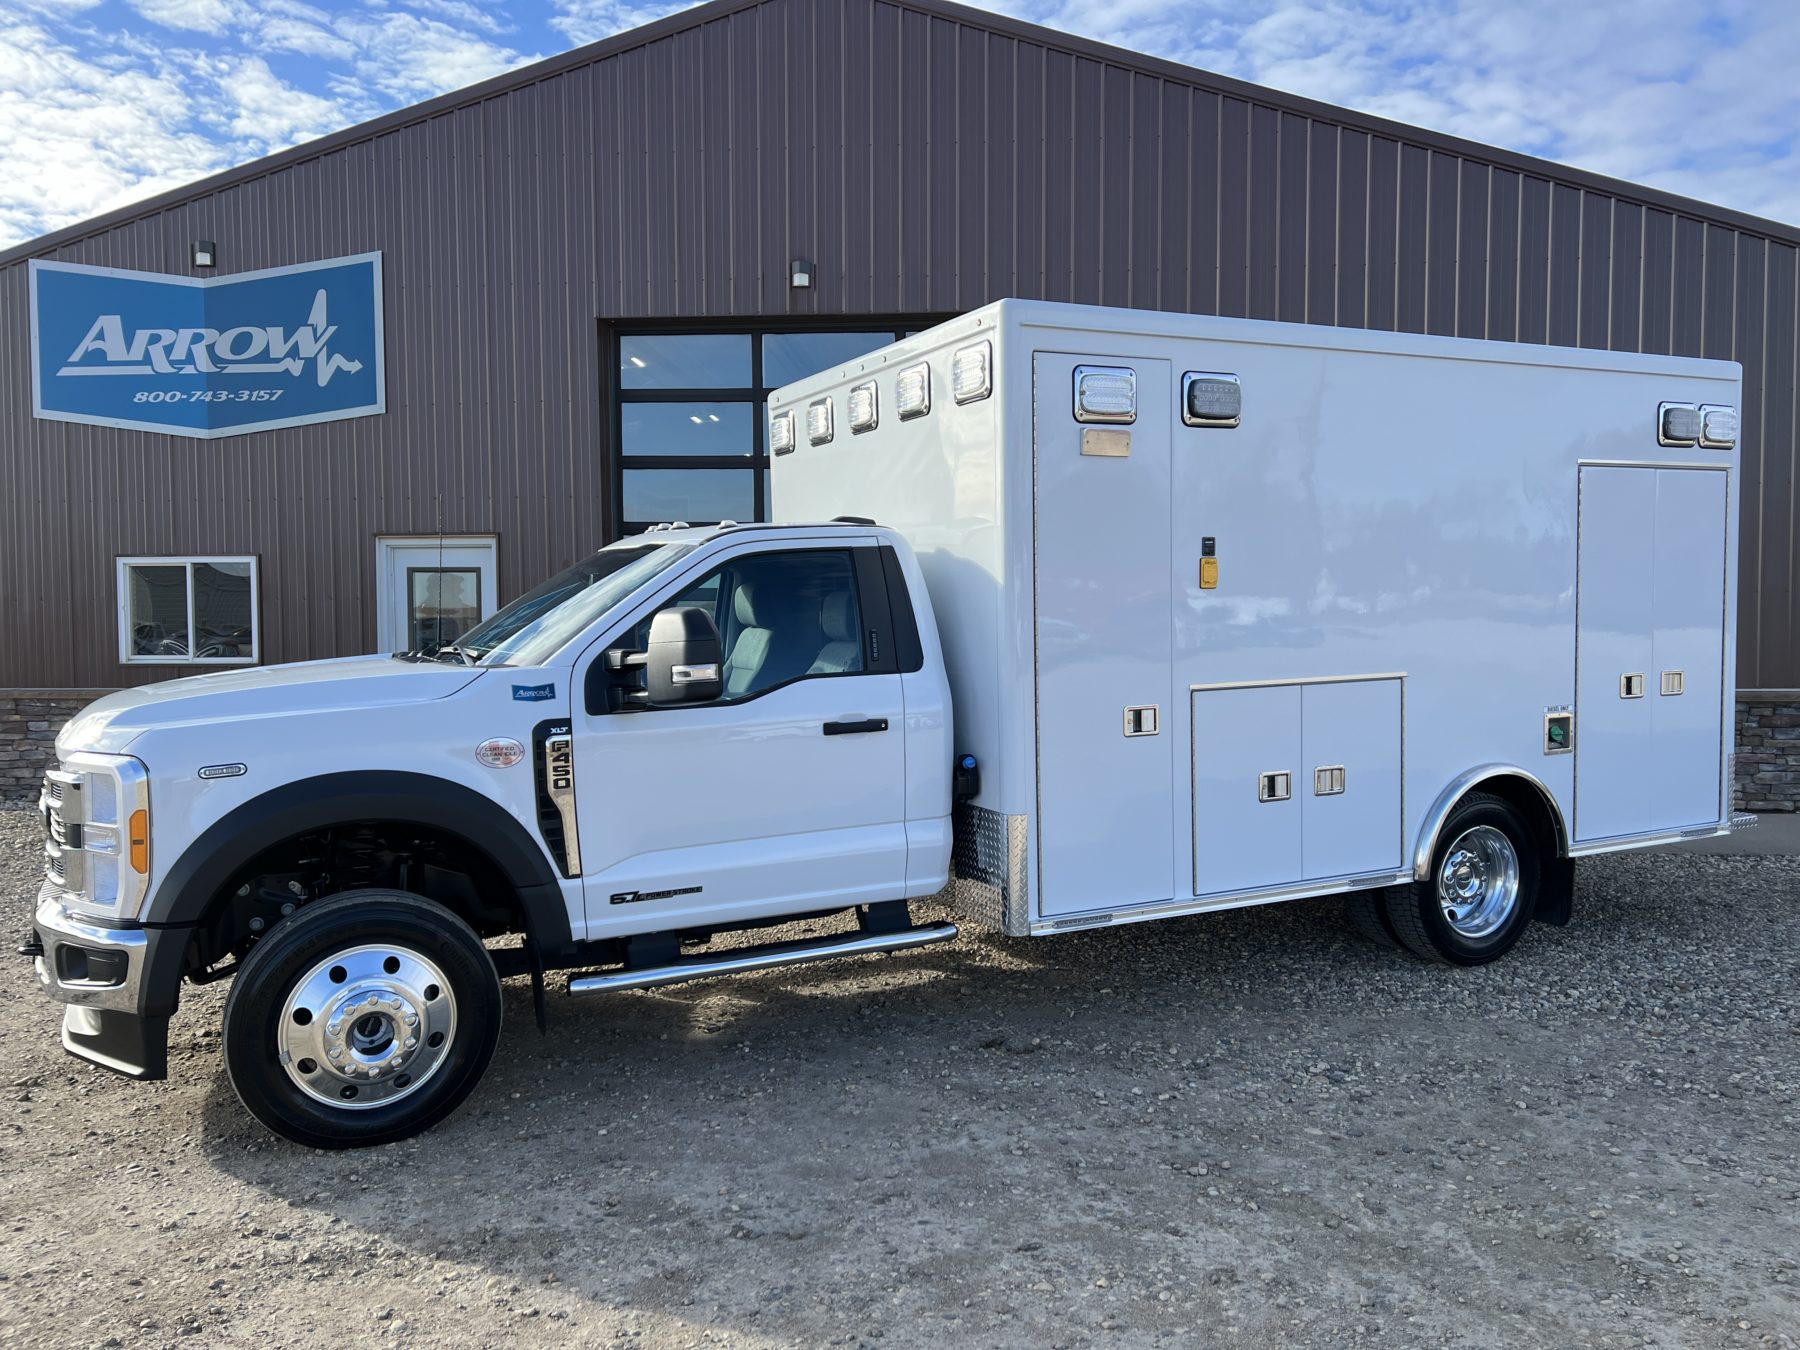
(787, 793)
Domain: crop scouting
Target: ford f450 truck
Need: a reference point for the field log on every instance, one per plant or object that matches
(1164, 614)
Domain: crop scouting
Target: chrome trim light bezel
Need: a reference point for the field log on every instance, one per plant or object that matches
(1106, 395)
(1229, 411)
(781, 434)
(1678, 425)
(972, 372)
(821, 423)
(862, 407)
(1719, 427)
(912, 391)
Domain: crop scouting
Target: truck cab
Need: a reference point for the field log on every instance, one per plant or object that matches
(691, 732)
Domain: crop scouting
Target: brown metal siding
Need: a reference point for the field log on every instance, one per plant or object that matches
(926, 159)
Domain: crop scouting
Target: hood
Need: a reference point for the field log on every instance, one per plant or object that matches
(113, 722)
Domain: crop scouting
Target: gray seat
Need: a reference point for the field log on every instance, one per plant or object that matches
(750, 650)
(842, 651)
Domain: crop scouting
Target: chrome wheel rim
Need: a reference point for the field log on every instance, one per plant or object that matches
(367, 1026)
(1478, 882)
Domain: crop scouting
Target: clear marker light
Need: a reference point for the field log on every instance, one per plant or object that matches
(971, 376)
(1105, 394)
(862, 407)
(819, 428)
(912, 391)
(781, 434)
(1718, 427)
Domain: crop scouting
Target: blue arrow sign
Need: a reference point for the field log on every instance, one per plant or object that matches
(207, 356)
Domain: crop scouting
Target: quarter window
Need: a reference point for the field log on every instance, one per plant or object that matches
(188, 611)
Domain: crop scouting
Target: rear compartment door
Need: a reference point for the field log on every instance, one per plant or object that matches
(1650, 622)
(1105, 827)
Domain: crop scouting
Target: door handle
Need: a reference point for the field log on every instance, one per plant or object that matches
(856, 728)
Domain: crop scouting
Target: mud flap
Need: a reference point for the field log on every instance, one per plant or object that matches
(133, 1044)
(1556, 892)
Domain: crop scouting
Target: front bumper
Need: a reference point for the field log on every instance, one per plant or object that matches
(114, 983)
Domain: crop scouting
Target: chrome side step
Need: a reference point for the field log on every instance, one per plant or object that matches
(771, 957)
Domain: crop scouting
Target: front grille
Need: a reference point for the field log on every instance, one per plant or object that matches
(62, 836)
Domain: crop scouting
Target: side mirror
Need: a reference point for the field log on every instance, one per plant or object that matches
(683, 662)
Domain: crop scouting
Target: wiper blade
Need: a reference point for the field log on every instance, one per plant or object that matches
(463, 657)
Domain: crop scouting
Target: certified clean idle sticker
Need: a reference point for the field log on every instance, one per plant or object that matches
(501, 752)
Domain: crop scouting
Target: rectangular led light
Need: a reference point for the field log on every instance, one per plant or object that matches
(862, 408)
(1211, 400)
(1718, 426)
(912, 391)
(1677, 424)
(1105, 394)
(971, 376)
(819, 429)
(781, 434)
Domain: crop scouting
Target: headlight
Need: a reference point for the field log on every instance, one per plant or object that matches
(96, 812)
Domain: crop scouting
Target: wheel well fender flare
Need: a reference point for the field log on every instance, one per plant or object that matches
(229, 844)
(1433, 824)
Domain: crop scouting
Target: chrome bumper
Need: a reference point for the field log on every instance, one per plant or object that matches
(86, 964)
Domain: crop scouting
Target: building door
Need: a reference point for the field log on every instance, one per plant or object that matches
(1649, 650)
(432, 589)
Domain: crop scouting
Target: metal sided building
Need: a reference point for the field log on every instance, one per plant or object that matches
(352, 396)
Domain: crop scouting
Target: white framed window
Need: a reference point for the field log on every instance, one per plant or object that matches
(189, 611)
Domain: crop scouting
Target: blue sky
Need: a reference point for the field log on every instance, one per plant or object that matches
(106, 101)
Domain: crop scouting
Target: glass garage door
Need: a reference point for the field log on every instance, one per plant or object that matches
(690, 420)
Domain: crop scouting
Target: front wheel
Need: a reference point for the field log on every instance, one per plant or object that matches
(1481, 891)
(363, 1019)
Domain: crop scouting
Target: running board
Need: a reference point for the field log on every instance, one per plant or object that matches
(771, 957)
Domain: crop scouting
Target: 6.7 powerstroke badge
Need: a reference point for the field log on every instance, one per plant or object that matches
(637, 897)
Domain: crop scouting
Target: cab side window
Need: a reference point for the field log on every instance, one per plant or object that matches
(781, 617)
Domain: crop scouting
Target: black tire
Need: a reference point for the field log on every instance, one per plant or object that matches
(467, 1002)
(1418, 918)
(1367, 913)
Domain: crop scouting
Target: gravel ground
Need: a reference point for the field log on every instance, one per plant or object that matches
(1247, 1129)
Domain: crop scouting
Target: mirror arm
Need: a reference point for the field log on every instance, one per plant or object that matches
(622, 692)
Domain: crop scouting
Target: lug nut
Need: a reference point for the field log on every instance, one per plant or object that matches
(411, 1041)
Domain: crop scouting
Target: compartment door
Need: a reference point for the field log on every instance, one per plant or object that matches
(1350, 730)
(1687, 670)
(1105, 829)
(1614, 628)
(1245, 838)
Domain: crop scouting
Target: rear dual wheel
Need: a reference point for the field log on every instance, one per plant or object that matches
(1479, 895)
(361, 1020)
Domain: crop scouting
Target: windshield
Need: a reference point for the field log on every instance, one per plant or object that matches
(539, 623)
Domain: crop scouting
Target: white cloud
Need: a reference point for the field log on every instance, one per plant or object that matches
(584, 21)
(198, 16)
(1697, 99)
(92, 118)
(77, 138)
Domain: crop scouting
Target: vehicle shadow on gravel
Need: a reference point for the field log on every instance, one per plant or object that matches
(1252, 1119)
